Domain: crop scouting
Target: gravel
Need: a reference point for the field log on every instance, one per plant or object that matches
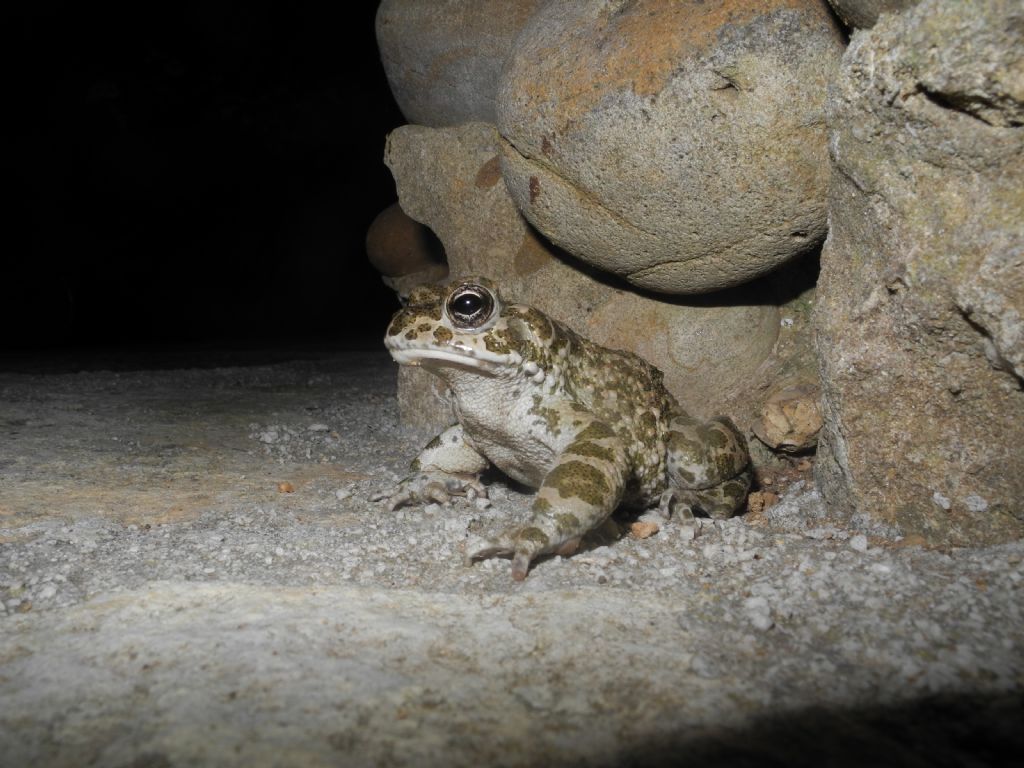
(165, 602)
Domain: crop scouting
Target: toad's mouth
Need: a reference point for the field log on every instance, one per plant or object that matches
(480, 360)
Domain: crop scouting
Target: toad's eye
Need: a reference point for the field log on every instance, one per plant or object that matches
(470, 306)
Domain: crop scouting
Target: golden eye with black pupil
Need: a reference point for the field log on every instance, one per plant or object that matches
(470, 306)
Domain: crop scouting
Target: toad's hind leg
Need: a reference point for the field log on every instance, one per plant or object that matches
(720, 501)
(708, 465)
(579, 492)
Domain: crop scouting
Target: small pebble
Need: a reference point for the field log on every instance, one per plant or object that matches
(859, 542)
(704, 667)
(975, 503)
(758, 612)
(46, 592)
(643, 530)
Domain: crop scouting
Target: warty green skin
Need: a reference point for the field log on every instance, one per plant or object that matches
(591, 428)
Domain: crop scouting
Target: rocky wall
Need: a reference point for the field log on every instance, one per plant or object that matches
(660, 176)
(920, 337)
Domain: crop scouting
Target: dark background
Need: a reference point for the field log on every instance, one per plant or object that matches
(191, 174)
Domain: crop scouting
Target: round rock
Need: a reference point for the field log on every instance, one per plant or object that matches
(443, 58)
(712, 351)
(790, 418)
(678, 144)
(397, 245)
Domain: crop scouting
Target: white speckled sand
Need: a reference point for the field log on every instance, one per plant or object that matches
(167, 603)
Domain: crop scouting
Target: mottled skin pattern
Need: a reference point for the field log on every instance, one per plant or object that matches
(590, 428)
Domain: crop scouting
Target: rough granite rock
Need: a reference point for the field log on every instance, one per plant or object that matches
(922, 288)
(449, 179)
(863, 14)
(680, 145)
(443, 58)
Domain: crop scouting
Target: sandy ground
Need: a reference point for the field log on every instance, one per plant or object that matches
(191, 574)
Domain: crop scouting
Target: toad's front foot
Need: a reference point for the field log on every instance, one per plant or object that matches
(431, 487)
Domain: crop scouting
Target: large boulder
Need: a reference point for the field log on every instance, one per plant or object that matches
(450, 180)
(679, 144)
(443, 58)
(919, 329)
